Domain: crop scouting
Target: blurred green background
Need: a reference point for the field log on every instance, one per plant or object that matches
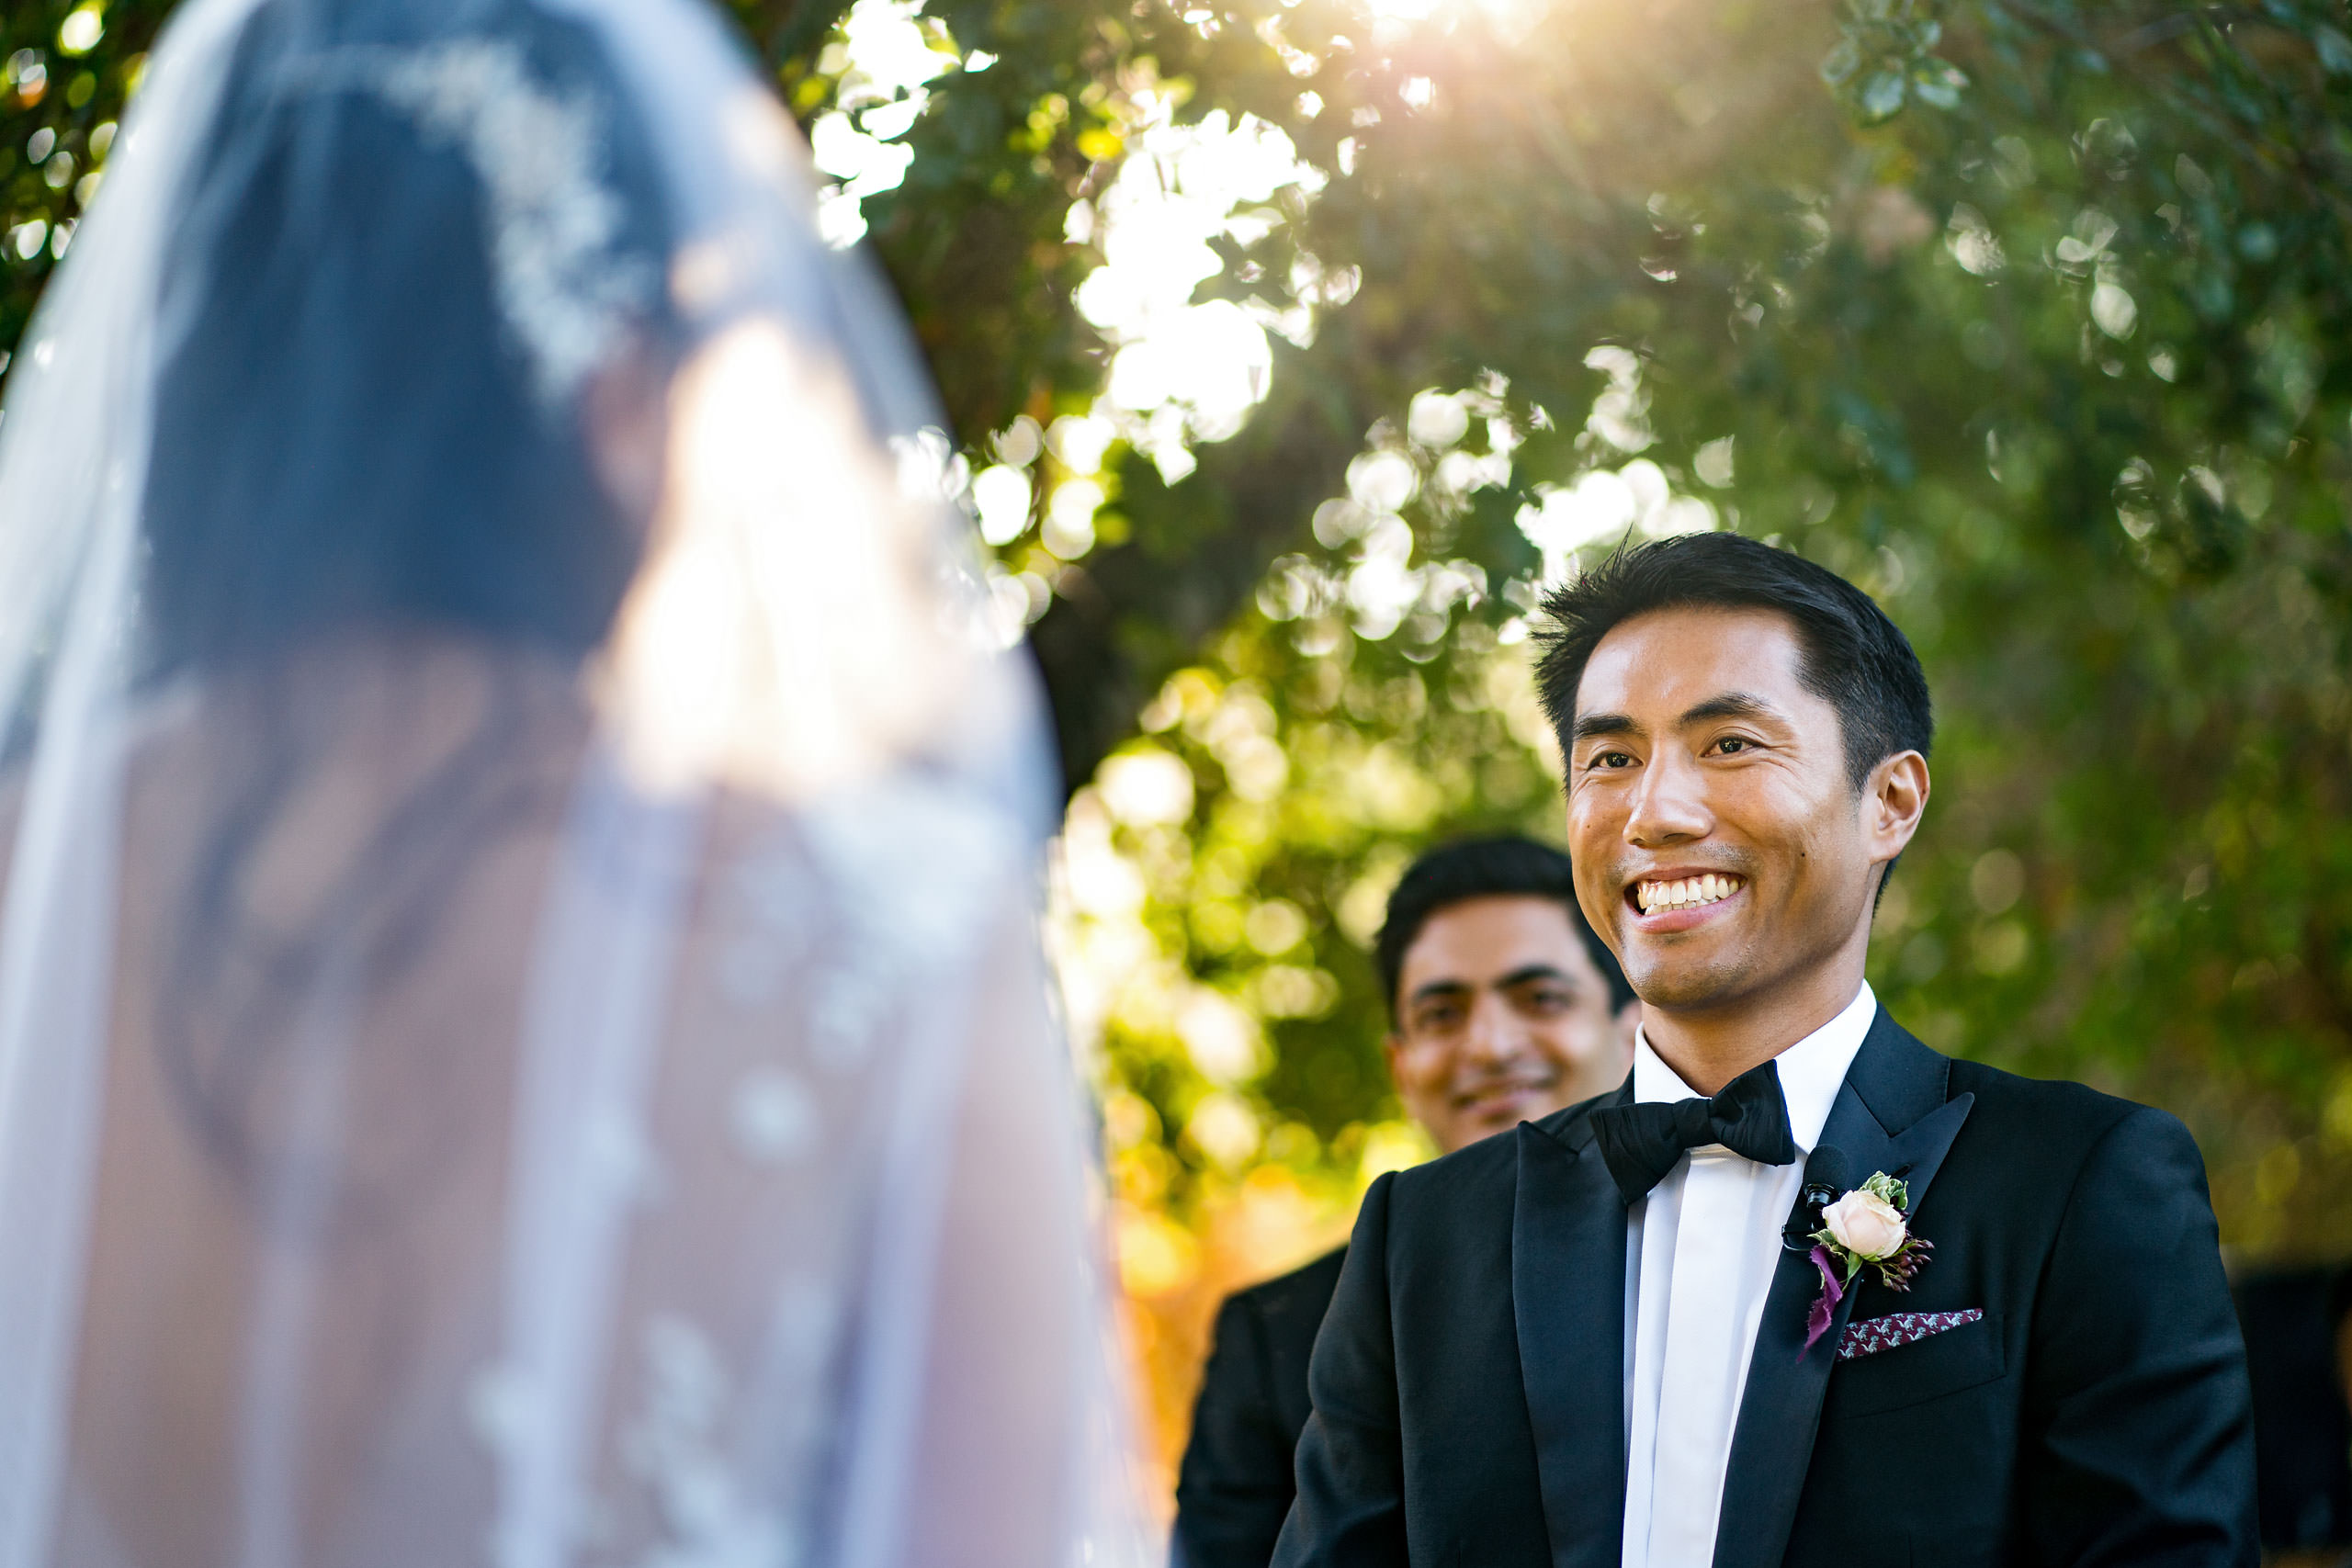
(1292, 345)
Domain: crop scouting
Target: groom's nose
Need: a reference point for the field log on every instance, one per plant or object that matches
(1669, 803)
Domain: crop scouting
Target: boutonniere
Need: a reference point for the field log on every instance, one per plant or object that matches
(1866, 1228)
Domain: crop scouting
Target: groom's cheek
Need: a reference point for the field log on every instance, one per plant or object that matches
(1601, 891)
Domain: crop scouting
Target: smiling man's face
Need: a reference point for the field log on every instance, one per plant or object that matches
(1502, 1018)
(1720, 844)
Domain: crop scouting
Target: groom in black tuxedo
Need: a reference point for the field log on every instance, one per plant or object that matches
(1619, 1338)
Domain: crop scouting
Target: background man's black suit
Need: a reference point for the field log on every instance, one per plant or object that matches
(1237, 1486)
(1469, 1382)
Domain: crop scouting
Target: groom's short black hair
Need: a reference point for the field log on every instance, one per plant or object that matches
(1501, 867)
(1852, 657)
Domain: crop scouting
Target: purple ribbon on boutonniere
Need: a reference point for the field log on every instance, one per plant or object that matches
(1825, 1305)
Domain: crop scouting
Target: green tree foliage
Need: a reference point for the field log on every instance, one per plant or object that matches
(2035, 319)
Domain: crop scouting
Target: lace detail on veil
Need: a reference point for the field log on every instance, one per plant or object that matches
(563, 284)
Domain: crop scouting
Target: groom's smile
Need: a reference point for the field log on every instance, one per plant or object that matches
(1679, 898)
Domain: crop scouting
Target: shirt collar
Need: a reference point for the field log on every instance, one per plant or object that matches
(1812, 1070)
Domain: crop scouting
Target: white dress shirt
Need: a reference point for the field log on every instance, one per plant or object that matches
(1700, 1254)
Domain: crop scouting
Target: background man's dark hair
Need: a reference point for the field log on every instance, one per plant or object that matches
(1485, 868)
(1853, 657)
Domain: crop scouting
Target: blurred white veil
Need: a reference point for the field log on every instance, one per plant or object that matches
(521, 1037)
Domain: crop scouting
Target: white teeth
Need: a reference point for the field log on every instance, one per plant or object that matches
(1687, 892)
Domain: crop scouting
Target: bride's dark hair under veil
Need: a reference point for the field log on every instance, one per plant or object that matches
(332, 283)
(523, 1037)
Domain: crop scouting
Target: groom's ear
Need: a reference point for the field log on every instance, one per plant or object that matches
(1895, 798)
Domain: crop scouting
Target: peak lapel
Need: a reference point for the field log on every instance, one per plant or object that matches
(1568, 1278)
(1890, 1113)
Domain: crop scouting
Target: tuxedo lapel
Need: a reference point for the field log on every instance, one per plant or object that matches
(1568, 1277)
(1891, 1114)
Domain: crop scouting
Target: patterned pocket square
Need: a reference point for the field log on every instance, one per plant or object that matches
(1898, 1328)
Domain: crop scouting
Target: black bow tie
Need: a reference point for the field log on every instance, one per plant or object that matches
(1640, 1142)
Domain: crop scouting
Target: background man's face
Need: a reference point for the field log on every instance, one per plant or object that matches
(1502, 1018)
(1719, 845)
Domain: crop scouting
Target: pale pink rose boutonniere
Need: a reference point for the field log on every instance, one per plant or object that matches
(1866, 1228)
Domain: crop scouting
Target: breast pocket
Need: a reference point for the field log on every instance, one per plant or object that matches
(1926, 1369)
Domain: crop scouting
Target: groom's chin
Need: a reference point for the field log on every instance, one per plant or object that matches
(1682, 981)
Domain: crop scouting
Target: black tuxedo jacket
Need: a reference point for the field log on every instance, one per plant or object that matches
(1235, 1486)
(1469, 1381)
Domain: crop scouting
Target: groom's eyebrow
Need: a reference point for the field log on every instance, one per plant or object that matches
(1589, 724)
(1730, 704)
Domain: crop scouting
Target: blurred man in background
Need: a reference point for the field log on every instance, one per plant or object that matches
(1505, 1008)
